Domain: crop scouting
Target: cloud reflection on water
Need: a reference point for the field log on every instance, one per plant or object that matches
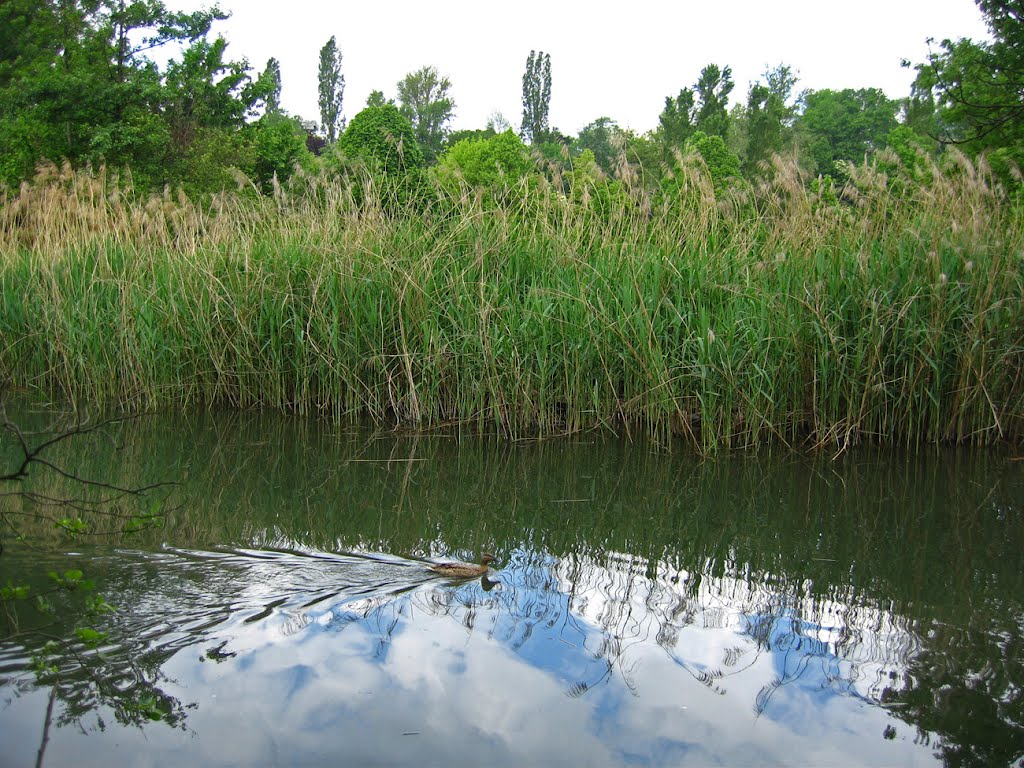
(570, 661)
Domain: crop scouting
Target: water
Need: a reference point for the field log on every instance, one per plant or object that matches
(646, 608)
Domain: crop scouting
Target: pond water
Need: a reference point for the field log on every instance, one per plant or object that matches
(646, 606)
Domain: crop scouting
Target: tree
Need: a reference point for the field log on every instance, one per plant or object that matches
(841, 126)
(536, 97)
(428, 107)
(497, 122)
(279, 146)
(271, 80)
(646, 158)
(675, 124)
(605, 139)
(376, 99)
(77, 83)
(769, 117)
(207, 101)
(331, 90)
(486, 162)
(972, 94)
(723, 165)
(712, 109)
(383, 138)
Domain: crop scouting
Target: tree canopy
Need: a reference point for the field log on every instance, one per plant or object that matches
(429, 107)
(81, 82)
(331, 90)
(769, 114)
(536, 97)
(486, 162)
(971, 94)
(383, 138)
(77, 84)
(845, 125)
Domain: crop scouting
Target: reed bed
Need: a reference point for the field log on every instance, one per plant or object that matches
(890, 311)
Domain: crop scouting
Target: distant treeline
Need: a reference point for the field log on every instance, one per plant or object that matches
(78, 84)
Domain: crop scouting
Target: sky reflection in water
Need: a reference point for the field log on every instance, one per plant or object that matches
(319, 656)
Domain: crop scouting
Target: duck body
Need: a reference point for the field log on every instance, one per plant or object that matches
(464, 570)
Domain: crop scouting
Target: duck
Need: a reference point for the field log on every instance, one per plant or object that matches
(464, 570)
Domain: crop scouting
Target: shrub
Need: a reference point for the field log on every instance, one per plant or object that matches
(487, 162)
(383, 139)
(723, 164)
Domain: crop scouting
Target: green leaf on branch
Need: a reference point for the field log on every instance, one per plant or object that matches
(14, 592)
(90, 636)
(44, 606)
(71, 579)
(97, 604)
(72, 525)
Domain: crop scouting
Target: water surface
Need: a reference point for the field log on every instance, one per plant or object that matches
(647, 607)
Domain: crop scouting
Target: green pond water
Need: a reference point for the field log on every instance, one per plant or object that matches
(646, 606)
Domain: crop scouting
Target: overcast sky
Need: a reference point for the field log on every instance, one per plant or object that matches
(618, 60)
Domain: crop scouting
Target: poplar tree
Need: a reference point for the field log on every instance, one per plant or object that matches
(332, 90)
(536, 96)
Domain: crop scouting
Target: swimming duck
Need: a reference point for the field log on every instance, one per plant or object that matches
(464, 570)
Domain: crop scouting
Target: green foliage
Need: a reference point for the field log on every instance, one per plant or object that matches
(675, 124)
(553, 153)
(331, 90)
(208, 162)
(723, 165)
(454, 137)
(913, 155)
(279, 147)
(376, 99)
(70, 579)
(712, 91)
(383, 138)
(90, 637)
(843, 126)
(536, 97)
(976, 88)
(605, 140)
(426, 103)
(769, 116)
(646, 158)
(78, 84)
(499, 160)
(969, 93)
(270, 83)
(703, 107)
(599, 197)
(204, 89)
(72, 525)
(13, 592)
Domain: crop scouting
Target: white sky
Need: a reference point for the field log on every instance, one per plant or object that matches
(607, 59)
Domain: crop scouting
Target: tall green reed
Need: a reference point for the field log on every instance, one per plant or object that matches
(781, 313)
